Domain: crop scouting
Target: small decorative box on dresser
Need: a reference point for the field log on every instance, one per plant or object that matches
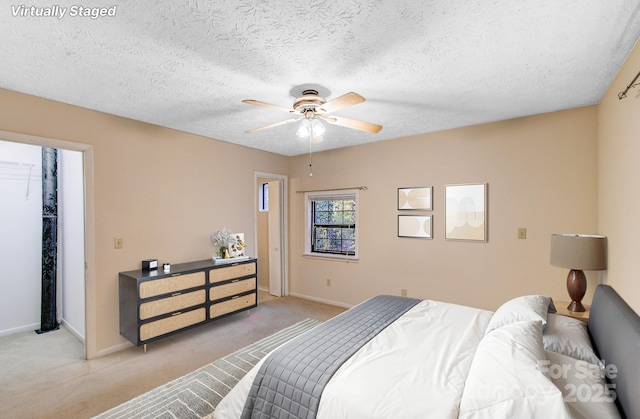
(154, 304)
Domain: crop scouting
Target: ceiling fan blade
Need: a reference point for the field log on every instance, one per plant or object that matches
(277, 124)
(268, 105)
(352, 123)
(341, 102)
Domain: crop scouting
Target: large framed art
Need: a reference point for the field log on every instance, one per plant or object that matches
(466, 212)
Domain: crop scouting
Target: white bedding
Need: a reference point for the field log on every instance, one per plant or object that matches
(444, 360)
(435, 341)
(507, 378)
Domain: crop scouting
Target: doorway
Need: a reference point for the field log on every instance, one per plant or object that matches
(83, 325)
(271, 233)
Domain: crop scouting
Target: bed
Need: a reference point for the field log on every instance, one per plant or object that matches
(395, 357)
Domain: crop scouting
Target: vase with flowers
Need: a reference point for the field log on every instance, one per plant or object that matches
(221, 238)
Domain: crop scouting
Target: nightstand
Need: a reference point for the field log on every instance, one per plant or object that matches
(583, 316)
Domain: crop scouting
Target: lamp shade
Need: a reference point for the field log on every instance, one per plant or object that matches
(579, 251)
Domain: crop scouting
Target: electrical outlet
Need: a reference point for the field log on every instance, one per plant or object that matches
(328, 282)
(522, 233)
(403, 292)
(117, 243)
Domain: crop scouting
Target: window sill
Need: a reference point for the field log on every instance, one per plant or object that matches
(329, 257)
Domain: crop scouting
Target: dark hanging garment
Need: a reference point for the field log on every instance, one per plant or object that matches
(48, 315)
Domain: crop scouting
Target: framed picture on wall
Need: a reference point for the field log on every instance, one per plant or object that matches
(419, 198)
(466, 212)
(419, 226)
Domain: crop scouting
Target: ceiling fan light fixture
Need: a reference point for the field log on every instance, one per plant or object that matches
(317, 128)
(310, 107)
(308, 100)
(311, 127)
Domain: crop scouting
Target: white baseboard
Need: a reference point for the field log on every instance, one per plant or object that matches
(321, 300)
(316, 299)
(26, 328)
(114, 349)
(75, 332)
(36, 326)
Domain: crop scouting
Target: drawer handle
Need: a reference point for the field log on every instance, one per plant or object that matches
(235, 296)
(176, 313)
(176, 294)
(235, 280)
(178, 274)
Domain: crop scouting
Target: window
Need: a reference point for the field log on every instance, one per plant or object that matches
(264, 197)
(332, 224)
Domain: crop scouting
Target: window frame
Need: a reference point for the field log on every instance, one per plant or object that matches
(345, 194)
(263, 197)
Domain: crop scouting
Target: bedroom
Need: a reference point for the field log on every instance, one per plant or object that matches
(569, 170)
(521, 160)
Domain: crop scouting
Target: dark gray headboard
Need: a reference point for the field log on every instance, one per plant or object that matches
(615, 330)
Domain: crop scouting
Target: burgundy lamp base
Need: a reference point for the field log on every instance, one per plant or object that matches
(577, 287)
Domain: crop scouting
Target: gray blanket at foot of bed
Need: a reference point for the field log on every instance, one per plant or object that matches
(291, 380)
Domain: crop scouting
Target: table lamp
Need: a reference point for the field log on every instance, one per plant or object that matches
(578, 252)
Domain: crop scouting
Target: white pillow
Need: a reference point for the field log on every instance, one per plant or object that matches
(506, 378)
(569, 337)
(525, 308)
(583, 386)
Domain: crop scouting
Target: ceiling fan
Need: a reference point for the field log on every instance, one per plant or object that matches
(311, 106)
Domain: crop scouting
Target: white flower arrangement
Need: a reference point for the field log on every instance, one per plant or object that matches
(222, 237)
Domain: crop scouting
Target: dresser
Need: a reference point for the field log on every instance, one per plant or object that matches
(155, 304)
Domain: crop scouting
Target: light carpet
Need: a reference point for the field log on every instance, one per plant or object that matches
(196, 395)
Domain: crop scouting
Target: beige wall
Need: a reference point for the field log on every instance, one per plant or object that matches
(542, 175)
(163, 191)
(619, 174)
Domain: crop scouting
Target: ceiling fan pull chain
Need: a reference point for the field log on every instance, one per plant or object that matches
(310, 165)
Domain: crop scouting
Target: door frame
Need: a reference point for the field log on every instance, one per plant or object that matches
(284, 208)
(90, 341)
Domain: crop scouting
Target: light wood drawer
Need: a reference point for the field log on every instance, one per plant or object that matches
(175, 303)
(232, 288)
(171, 284)
(230, 272)
(232, 305)
(173, 323)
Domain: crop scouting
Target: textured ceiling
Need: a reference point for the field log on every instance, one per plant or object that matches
(423, 66)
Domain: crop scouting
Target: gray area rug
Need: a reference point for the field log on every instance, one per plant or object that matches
(196, 395)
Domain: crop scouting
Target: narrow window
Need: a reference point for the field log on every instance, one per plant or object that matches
(263, 199)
